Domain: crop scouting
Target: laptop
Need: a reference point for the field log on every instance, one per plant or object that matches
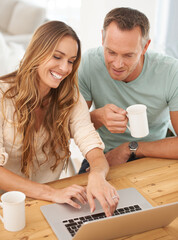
(134, 214)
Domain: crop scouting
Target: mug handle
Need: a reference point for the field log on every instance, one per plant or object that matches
(1, 218)
(128, 127)
(127, 124)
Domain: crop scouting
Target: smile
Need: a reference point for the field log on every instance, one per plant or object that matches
(55, 75)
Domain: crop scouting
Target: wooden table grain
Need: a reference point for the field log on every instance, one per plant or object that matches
(156, 179)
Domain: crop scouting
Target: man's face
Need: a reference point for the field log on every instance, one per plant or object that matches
(123, 52)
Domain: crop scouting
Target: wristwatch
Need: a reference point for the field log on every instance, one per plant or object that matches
(133, 148)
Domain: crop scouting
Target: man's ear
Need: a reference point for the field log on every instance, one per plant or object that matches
(102, 36)
(146, 46)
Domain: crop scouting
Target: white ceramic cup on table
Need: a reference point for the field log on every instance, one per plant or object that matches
(138, 122)
(13, 205)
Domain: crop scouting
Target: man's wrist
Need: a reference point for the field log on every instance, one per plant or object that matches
(133, 146)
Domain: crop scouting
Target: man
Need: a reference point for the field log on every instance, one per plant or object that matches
(121, 73)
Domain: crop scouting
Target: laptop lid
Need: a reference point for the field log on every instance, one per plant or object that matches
(61, 217)
(132, 223)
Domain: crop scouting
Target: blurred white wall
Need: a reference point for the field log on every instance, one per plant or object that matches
(86, 17)
(94, 11)
(67, 11)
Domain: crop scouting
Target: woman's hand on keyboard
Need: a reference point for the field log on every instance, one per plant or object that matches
(68, 194)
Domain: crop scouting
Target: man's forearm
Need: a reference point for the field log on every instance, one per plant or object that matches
(96, 118)
(164, 148)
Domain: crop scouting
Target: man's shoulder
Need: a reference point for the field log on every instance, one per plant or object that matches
(160, 57)
(93, 53)
(92, 59)
(161, 66)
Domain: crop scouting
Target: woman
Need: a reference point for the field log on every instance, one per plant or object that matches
(41, 108)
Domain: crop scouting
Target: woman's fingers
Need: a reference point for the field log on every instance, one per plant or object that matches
(113, 200)
(79, 193)
(72, 203)
(71, 194)
(105, 193)
(75, 194)
(91, 202)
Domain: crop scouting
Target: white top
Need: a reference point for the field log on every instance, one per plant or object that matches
(81, 129)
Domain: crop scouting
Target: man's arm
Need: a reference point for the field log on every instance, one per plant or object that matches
(164, 148)
(114, 118)
(111, 116)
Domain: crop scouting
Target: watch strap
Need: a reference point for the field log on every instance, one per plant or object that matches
(133, 148)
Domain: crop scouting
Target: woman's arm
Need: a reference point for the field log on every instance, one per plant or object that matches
(91, 146)
(97, 186)
(10, 181)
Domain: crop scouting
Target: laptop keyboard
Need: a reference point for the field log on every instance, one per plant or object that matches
(73, 225)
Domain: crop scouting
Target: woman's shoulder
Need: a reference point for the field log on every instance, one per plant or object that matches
(4, 86)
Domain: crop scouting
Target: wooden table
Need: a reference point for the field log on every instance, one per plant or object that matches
(156, 179)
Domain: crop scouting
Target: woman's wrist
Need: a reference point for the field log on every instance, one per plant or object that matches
(47, 193)
(98, 172)
(98, 162)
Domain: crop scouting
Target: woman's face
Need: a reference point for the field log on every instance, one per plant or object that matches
(59, 66)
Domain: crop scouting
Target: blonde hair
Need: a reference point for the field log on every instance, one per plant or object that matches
(24, 91)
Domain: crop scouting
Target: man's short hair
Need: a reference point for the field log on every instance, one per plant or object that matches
(127, 19)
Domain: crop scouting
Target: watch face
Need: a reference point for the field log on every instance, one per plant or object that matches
(133, 145)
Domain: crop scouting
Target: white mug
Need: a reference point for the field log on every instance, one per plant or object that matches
(138, 120)
(13, 205)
